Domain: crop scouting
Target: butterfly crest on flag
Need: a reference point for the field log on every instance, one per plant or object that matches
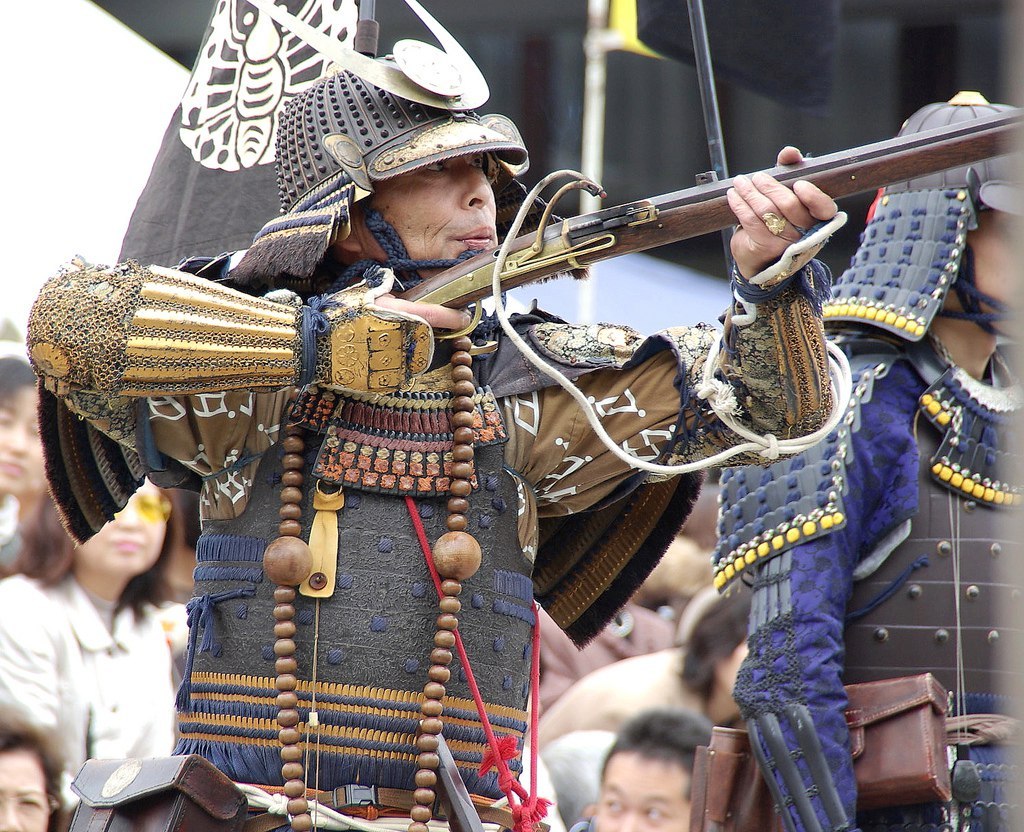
(247, 68)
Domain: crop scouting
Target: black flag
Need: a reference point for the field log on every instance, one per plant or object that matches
(213, 185)
(783, 49)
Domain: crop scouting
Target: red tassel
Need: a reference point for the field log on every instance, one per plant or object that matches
(507, 749)
(531, 813)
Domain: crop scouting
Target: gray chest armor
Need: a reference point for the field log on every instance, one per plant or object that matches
(362, 653)
(909, 621)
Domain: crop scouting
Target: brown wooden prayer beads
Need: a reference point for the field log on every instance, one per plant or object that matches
(287, 561)
(456, 556)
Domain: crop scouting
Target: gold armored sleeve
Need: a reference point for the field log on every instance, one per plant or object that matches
(134, 331)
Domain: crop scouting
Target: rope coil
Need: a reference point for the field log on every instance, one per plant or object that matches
(719, 396)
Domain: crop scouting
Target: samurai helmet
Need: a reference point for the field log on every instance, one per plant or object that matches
(369, 120)
(914, 246)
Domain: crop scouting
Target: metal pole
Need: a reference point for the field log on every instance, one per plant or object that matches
(367, 29)
(709, 103)
(595, 48)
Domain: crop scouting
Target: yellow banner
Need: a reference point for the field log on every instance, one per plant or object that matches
(622, 19)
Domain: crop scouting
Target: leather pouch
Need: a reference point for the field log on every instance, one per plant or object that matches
(898, 745)
(898, 741)
(727, 792)
(165, 794)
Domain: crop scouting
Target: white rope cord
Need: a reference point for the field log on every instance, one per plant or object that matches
(324, 816)
(718, 394)
(953, 513)
(327, 817)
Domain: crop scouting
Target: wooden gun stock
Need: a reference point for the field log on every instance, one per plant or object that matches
(647, 223)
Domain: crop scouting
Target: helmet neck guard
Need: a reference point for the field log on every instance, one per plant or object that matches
(914, 247)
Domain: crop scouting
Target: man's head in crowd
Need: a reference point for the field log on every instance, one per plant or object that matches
(645, 784)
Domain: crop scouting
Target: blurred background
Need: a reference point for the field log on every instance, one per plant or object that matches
(104, 95)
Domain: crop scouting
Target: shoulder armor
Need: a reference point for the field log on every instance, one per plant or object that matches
(91, 477)
(974, 420)
(909, 256)
(763, 512)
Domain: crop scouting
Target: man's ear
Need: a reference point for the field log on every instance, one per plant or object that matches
(359, 243)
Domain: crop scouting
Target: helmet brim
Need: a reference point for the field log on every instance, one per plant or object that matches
(450, 139)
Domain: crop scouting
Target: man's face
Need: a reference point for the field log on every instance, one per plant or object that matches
(992, 243)
(442, 210)
(643, 795)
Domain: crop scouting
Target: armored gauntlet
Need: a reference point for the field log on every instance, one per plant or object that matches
(136, 331)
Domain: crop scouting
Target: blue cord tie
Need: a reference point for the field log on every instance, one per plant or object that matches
(971, 299)
(314, 324)
(405, 268)
(200, 614)
(889, 591)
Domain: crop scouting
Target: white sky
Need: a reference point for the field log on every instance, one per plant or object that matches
(87, 102)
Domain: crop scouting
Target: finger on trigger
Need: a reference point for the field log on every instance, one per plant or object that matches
(820, 205)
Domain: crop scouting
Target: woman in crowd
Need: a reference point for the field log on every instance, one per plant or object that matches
(81, 643)
(22, 480)
(698, 674)
(30, 773)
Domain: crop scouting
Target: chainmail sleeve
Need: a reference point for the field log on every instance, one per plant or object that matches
(130, 331)
(134, 331)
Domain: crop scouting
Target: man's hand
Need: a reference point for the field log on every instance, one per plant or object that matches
(378, 342)
(754, 199)
(439, 317)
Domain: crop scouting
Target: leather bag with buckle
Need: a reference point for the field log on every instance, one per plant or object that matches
(165, 794)
(898, 744)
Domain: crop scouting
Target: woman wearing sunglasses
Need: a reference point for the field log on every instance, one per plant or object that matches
(81, 645)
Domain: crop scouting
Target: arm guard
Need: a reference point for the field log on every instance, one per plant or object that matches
(779, 763)
(775, 358)
(133, 331)
(790, 693)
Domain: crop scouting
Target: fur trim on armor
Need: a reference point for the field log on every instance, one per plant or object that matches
(589, 565)
(91, 477)
(289, 249)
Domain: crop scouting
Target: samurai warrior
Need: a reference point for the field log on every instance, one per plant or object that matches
(384, 505)
(876, 555)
